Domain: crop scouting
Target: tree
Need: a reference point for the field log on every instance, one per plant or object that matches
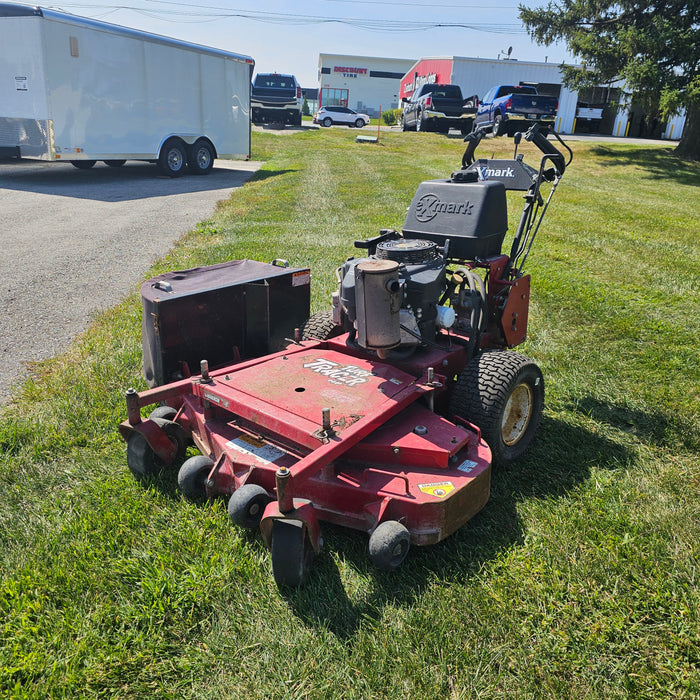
(653, 45)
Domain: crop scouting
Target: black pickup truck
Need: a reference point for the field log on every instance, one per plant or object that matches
(275, 98)
(437, 107)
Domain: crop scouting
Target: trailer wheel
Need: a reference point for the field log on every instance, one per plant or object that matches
(200, 159)
(320, 326)
(292, 553)
(389, 544)
(192, 477)
(247, 504)
(141, 458)
(502, 392)
(83, 164)
(173, 158)
(114, 163)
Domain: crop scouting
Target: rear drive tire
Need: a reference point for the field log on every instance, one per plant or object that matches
(499, 129)
(502, 392)
(327, 121)
(320, 326)
(114, 163)
(172, 160)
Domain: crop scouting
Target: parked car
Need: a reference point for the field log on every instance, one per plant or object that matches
(333, 114)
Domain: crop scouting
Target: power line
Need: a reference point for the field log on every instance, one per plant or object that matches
(208, 13)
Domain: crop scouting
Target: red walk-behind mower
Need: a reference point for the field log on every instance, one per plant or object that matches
(384, 415)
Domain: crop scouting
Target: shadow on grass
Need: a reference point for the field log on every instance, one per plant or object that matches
(660, 163)
(561, 458)
(260, 175)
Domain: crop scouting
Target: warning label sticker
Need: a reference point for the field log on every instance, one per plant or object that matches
(301, 278)
(259, 450)
(440, 489)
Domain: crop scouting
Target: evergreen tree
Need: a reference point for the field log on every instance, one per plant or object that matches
(653, 45)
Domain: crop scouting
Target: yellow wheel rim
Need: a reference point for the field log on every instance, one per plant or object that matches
(517, 414)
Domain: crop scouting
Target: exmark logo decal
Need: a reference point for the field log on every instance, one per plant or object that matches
(348, 375)
(486, 173)
(430, 205)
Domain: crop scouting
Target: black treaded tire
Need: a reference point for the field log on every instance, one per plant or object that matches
(498, 127)
(320, 326)
(114, 163)
(502, 392)
(172, 160)
(141, 458)
(192, 475)
(200, 157)
(389, 544)
(247, 504)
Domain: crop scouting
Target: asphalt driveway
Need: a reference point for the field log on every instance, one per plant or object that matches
(73, 242)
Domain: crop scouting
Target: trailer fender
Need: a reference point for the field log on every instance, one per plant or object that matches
(303, 512)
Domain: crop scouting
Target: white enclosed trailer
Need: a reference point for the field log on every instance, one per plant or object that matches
(79, 90)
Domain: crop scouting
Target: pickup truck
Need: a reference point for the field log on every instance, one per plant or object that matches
(506, 109)
(437, 107)
(588, 117)
(275, 98)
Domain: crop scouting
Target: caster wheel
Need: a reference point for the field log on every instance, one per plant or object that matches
(192, 477)
(389, 544)
(247, 504)
(292, 553)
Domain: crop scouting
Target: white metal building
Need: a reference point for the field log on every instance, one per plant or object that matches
(362, 83)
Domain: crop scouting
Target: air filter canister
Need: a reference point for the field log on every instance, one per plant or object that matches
(378, 300)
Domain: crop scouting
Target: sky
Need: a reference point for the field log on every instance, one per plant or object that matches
(287, 37)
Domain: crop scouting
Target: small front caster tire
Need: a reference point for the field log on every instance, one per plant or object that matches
(292, 553)
(192, 477)
(247, 504)
(141, 458)
(389, 544)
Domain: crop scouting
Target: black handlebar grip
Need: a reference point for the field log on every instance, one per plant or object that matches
(547, 147)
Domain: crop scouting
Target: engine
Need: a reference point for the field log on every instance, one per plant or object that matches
(399, 298)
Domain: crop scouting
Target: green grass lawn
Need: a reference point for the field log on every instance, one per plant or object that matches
(578, 579)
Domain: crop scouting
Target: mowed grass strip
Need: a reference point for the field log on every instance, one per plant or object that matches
(578, 580)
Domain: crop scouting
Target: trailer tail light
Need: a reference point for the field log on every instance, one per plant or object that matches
(298, 92)
(429, 101)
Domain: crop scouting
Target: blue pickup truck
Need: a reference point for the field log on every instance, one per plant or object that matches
(506, 109)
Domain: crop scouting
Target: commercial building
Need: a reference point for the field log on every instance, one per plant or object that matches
(367, 84)
(362, 83)
(476, 76)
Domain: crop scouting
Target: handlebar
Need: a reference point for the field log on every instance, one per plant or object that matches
(534, 135)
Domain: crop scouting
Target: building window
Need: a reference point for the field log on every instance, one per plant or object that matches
(334, 96)
(385, 74)
(325, 71)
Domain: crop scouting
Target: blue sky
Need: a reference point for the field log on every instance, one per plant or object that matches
(287, 36)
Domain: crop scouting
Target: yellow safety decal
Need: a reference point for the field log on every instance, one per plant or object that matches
(440, 489)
